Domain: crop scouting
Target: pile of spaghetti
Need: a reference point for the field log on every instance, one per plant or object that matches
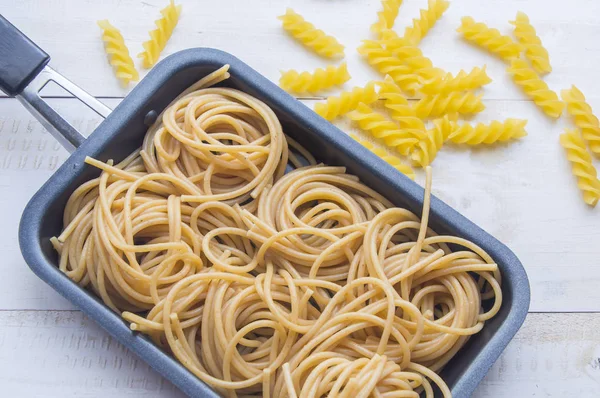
(267, 283)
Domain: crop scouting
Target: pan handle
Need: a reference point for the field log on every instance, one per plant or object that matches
(24, 71)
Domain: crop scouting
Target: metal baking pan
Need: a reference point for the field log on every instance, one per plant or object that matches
(24, 71)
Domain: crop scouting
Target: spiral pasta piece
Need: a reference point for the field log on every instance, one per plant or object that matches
(400, 110)
(583, 117)
(463, 81)
(118, 53)
(394, 161)
(537, 89)
(464, 102)
(321, 79)
(384, 61)
(347, 101)
(411, 56)
(496, 131)
(582, 167)
(426, 150)
(381, 127)
(490, 39)
(435, 8)
(534, 50)
(387, 16)
(160, 35)
(311, 37)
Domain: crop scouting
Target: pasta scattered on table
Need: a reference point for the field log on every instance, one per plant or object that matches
(160, 35)
(537, 89)
(534, 50)
(411, 56)
(379, 126)
(311, 37)
(490, 39)
(384, 61)
(387, 16)
(426, 150)
(582, 166)
(319, 80)
(463, 81)
(346, 101)
(118, 53)
(399, 108)
(428, 17)
(394, 161)
(491, 133)
(583, 116)
(437, 105)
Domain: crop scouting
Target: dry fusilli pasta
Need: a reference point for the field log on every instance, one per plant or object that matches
(346, 101)
(386, 63)
(496, 131)
(387, 16)
(435, 8)
(394, 161)
(461, 82)
(534, 50)
(313, 38)
(118, 54)
(490, 39)
(582, 167)
(160, 35)
(427, 149)
(381, 127)
(536, 88)
(464, 102)
(399, 108)
(411, 56)
(320, 79)
(583, 117)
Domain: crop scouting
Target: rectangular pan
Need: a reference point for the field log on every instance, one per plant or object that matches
(122, 132)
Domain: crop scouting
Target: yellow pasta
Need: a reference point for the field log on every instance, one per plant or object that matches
(392, 160)
(496, 131)
(427, 149)
(435, 8)
(387, 16)
(524, 76)
(400, 110)
(582, 167)
(490, 39)
(347, 101)
(411, 56)
(118, 54)
(311, 37)
(160, 35)
(381, 127)
(464, 102)
(384, 61)
(462, 81)
(534, 50)
(320, 79)
(583, 117)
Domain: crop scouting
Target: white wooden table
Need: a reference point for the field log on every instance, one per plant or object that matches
(522, 193)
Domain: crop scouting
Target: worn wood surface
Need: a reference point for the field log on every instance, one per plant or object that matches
(522, 193)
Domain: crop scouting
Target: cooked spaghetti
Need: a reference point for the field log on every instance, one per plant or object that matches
(267, 283)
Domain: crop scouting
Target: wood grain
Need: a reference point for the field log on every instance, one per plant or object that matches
(553, 355)
(67, 30)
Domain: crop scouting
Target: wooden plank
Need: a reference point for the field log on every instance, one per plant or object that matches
(554, 355)
(251, 31)
(523, 193)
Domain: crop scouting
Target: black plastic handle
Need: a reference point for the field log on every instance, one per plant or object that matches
(20, 59)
